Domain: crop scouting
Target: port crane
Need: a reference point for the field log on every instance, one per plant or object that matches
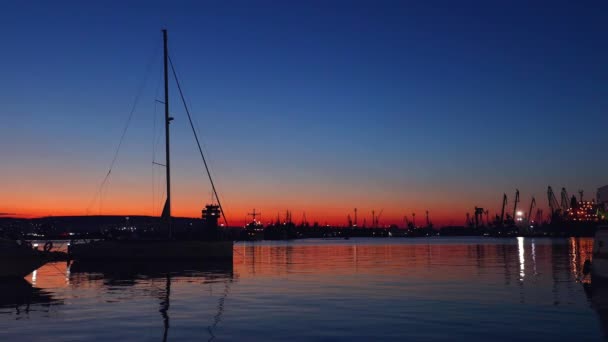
(553, 205)
(532, 205)
(539, 217)
(502, 211)
(373, 219)
(565, 200)
(478, 216)
(410, 224)
(288, 217)
(304, 221)
(515, 204)
(255, 214)
(378, 217)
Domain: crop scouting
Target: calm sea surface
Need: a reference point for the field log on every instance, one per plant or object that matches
(357, 289)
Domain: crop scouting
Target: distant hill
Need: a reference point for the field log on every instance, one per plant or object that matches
(79, 224)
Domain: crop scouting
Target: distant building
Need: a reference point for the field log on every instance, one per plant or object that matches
(602, 198)
(211, 216)
(582, 211)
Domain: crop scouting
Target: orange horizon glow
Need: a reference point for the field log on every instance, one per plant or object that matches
(49, 191)
(322, 217)
(379, 111)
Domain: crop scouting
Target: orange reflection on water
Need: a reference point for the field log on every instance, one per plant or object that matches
(580, 251)
(432, 261)
(51, 275)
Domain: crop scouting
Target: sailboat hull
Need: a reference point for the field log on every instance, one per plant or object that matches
(17, 261)
(19, 268)
(143, 250)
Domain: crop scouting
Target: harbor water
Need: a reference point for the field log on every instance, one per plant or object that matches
(357, 289)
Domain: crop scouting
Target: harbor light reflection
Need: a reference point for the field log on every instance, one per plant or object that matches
(534, 257)
(520, 248)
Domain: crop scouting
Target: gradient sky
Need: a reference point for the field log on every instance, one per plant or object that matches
(316, 106)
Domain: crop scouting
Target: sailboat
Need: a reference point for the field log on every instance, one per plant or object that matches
(207, 247)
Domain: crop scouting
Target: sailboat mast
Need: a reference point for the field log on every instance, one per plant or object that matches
(167, 121)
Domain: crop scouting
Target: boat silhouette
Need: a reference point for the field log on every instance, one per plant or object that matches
(18, 258)
(208, 246)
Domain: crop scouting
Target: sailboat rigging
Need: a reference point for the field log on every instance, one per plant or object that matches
(166, 214)
(209, 247)
(198, 144)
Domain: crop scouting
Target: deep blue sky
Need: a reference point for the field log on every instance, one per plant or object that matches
(397, 104)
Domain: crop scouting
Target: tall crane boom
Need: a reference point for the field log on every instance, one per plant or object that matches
(478, 216)
(532, 205)
(502, 212)
(565, 204)
(373, 219)
(538, 219)
(378, 217)
(553, 205)
(515, 203)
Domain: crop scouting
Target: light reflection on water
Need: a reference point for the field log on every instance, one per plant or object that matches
(365, 289)
(522, 258)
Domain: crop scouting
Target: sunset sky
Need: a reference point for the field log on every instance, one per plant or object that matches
(311, 106)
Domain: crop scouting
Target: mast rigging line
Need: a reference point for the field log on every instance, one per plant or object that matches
(154, 142)
(124, 131)
(198, 144)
